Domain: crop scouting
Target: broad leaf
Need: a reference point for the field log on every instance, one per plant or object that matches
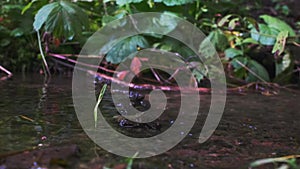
(277, 24)
(218, 39)
(258, 73)
(232, 52)
(42, 15)
(63, 19)
(174, 2)
(206, 48)
(125, 49)
(249, 40)
(266, 36)
(164, 24)
(124, 2)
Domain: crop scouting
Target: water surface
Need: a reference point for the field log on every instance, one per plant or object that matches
(253, 126)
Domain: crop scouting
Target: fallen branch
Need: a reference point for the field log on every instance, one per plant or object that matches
(265, 88)
(9, 74)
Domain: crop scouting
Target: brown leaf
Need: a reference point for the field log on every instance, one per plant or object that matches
(121, 75)
(135, 65)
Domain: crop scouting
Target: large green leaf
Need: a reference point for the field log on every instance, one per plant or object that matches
(278, 24)
(63, 19)
(164, 24)
(218, 39)
(206, 48)
(124, 2)
(258, 73)
(232, 52)
(125, 48)
(42, 15)
(174, 2)
(266, 35)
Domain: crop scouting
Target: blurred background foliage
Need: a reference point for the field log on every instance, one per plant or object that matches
(256, 40)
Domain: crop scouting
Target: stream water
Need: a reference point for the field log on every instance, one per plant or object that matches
(253, 126)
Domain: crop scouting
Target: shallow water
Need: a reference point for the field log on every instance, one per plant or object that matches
(253, 126)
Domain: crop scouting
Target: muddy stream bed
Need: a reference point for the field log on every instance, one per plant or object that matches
(39, 129)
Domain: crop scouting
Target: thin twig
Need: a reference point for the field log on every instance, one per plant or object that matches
(253, 73)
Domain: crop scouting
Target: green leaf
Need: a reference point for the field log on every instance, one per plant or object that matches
(200, 71)
(249, 40)
(232, 52)
(283, 69)
(253, 23)
(174, 2)
(238, 62)
(206, 48)
(223, 20)
(280, 43)
(278, 24)
(27, 6)
(17, 32)
(125, 48)
(266, 36)
(232, 24)
(258, 73)
(42, 15)
(63, 19)
(124, 2)
(166, 23)
(5, 42)
(218, 39)
(239, 70)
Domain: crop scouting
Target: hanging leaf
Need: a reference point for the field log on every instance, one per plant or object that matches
(280, 43)
(62, 19)
(123, 49)
(278, 24)
(42, 15)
